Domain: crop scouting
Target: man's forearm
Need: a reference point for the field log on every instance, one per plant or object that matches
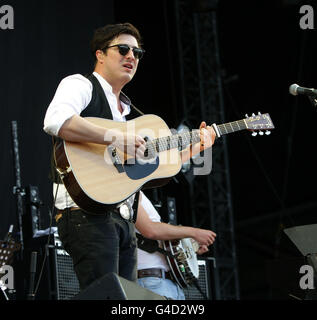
(164, 231)
(78, 129)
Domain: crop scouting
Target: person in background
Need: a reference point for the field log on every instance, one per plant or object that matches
(153, 270)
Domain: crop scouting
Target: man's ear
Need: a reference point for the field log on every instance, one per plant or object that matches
(100, 56)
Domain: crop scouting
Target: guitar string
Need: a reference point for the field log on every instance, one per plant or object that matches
(166, 143)
(170, 142)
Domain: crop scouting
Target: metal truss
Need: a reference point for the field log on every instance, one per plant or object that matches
(202, 99)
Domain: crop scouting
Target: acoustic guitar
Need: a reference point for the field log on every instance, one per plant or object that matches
(100, 176)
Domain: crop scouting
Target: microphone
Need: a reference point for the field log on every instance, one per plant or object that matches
(295, 89)
(31, 295)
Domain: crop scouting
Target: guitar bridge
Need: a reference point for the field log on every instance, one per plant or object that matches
(115, 159)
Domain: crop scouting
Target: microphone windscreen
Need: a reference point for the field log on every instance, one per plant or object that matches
(293, 89)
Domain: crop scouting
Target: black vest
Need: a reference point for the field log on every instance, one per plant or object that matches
(97, 107)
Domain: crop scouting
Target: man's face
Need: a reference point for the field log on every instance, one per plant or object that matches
(118, 68)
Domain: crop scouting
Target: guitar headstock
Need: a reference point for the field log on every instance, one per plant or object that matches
(258, 123)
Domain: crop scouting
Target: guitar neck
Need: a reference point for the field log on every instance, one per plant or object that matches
(231, 127)
(180, 141)
(184, 139)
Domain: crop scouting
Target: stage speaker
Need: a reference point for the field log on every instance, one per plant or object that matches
(113, 287)
(66, 282)
(59, 280)
(192, 292)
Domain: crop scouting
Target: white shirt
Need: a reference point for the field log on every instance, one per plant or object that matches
(72, 96)
(151, 260)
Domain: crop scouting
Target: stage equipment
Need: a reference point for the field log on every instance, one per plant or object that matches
(31, 294)
(305, 239)
(18, 190)
(113, 287)
(58, 279)
(205, 290)
(7, 249)
(31, 219)
(171, 210)
(311, 93)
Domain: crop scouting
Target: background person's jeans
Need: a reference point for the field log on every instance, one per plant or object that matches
(99, 244)
(163, 287)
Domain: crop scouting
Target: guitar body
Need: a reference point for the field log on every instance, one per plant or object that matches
(96, 182)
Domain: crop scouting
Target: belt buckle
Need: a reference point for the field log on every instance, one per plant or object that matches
(125, 211)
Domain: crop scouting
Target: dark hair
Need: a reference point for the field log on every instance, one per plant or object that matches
(104, 35)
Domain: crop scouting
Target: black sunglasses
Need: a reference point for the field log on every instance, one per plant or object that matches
(124, 49)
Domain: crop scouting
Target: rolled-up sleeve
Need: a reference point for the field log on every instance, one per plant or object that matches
(72, 96)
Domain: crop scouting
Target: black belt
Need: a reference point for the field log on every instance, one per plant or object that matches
(154, 272)
(124, 210)
(126, 215)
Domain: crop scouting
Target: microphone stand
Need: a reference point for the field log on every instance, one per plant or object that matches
(313, 100)
(31, 294)
(18, 190)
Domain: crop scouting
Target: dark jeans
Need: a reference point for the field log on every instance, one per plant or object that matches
(99, 244)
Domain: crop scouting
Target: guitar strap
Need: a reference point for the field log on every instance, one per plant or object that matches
(135, 206)
(151, 246)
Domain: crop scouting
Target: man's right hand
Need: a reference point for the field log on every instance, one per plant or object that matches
(128, 143)
(204, 237)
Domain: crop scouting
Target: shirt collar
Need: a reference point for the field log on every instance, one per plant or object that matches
(126, 102)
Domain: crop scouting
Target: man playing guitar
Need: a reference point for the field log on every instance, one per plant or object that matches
(99, 244)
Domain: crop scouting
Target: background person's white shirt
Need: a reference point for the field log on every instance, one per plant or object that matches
(151, 260)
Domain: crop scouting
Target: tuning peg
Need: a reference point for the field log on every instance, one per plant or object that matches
(267, 132)
(259, 113)
(261, 133)
(246, 115)
(254, 134)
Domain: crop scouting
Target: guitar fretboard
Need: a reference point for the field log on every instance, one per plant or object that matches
(183, 140)
(180, 141)
(231, 127)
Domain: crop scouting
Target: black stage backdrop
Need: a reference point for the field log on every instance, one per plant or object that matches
(50, 40)
(263, 51)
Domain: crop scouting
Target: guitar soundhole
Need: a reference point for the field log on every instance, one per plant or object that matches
(143, 166)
